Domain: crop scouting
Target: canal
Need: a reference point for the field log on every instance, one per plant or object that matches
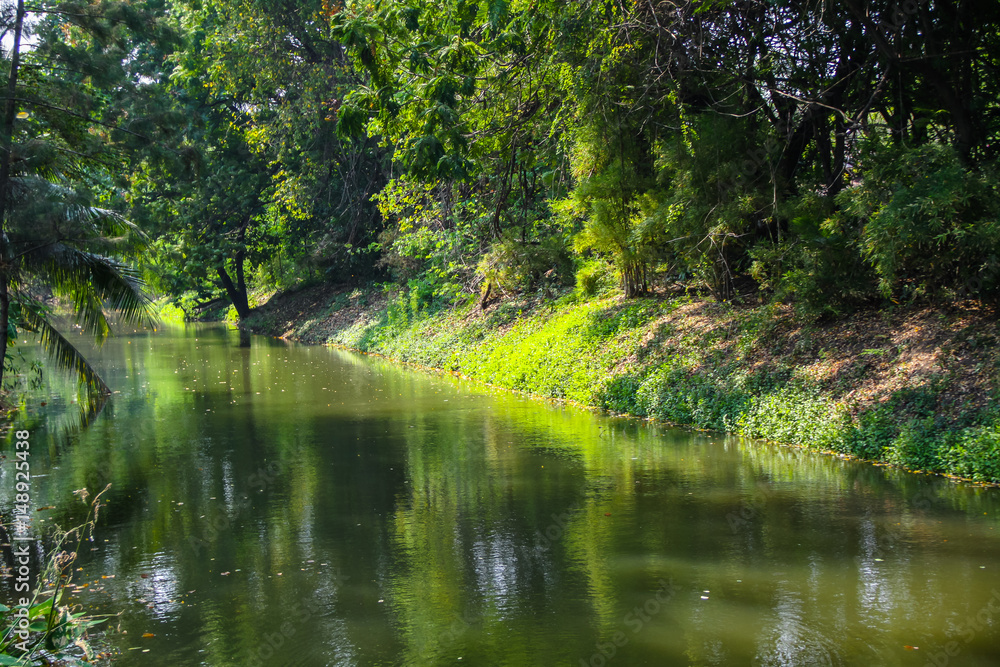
(280, 504)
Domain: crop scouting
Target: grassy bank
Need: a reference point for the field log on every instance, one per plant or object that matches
(913, 387)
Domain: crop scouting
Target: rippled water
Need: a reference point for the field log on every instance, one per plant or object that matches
(301, 506)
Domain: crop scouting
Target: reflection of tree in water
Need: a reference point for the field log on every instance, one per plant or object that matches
(792, 641)
(464, 525)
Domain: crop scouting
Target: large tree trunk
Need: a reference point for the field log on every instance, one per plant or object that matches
(237, 292)
(506, 182)
(6, 269)
(4, 320)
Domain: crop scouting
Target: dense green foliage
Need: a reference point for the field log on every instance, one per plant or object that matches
(818, 153)
(822, 155)
(821, 150)
(469, 152)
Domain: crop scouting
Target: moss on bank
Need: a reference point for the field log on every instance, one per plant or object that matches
(911, 387)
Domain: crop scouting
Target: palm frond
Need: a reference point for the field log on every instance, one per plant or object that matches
(63, 353)
(89, 313)
(46, 210)
(121, 288)
(95, 282)
(112, 226)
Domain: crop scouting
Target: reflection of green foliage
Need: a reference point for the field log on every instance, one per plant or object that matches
(604, 353)
(442, 520)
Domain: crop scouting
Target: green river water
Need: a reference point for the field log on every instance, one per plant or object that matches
(302, 506)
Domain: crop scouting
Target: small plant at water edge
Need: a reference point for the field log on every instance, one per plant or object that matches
(46, 631)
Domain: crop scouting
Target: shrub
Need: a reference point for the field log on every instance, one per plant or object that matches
(795, 413)
(928, 221)
(675, 393)
(619, 395)
(594, 277)
(872, 432)
(917, 446)
(975, 453)
(517, 266)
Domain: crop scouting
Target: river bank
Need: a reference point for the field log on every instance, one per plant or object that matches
(910, 386)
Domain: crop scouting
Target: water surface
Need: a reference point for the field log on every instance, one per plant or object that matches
(302, 506)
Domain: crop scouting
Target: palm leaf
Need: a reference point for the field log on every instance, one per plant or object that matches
(47, 211)
(55, 238)
(112, 228)
(63, 353)
(89, 312)
(121, 288)
(95, 282)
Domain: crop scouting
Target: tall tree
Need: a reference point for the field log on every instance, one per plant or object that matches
(263, 181)
(58, 140)
(7, 139)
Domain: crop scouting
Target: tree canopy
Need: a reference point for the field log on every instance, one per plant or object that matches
(829, 155)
